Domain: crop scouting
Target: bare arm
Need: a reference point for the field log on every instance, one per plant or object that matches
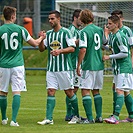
(42, 46)
(80, 59)
(77, 42)
(62, 51)
(35, 42)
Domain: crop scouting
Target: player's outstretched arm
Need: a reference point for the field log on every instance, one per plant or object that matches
(36, 42)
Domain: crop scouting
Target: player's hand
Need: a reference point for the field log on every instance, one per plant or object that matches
(106, 57)
(106, 31)
(42, 33)
(55, 52)
(78, 71)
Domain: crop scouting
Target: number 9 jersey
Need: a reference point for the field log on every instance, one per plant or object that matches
(11, 45)
(92, 38)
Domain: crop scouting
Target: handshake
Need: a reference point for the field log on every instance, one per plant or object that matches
(42, 33)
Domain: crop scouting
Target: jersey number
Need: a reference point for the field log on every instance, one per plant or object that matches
(97, 41)
(13, 42)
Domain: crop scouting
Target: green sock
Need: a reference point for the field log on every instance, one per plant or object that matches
(3, 106)
(50, 107)
(74, 103)
(98, 105)
(68, 107)
(129, 104)
(119, 104)
(114, 99)
(87, 103)
(15, 107)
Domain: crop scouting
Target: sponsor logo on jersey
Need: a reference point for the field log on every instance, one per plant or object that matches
(55, 45)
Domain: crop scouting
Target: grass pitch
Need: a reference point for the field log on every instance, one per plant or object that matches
(33, 103)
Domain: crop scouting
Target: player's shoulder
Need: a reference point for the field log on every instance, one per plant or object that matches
(65, 29)
(119, 34)
(49, 31)
(126, 29)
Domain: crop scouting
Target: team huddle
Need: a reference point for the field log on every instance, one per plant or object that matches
(75, 60)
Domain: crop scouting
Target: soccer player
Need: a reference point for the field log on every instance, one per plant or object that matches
(128, 98)
(74, 28)
(59, 43)
(91, 39)
(122, 66)
(12, 63)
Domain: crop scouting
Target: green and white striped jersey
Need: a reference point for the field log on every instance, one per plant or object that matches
(74, 55)
(128, 32)
(92, 38)
(59, 40)
(119, 44)
(11, 45)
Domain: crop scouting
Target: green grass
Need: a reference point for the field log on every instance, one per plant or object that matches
(33, 103)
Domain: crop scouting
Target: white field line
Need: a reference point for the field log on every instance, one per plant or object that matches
(55, 110)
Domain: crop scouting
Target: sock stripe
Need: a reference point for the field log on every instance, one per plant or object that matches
(73, 97)
(97, 96)
(86, 97)
(3, 97)
(51, 98)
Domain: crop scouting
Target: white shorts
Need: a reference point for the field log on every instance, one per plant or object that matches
(91, 79)
(62, 80)
(123, 81)
(15, 76)
(76, 79)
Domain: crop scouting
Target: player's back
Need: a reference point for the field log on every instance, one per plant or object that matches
(11, 41)
(93, 57)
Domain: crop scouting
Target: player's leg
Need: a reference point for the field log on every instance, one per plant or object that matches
(52, 86)
(122, 82)
(114, 96)
(98, 105)
(3, 106)
(17, 85)
(87, 103)
(50, 105)
(98, 84)
(69, 113)
(129, 103)
(4, 76)
(73, 100)
(86, 82)
(114, 119)
(65, 80)
(69, 109)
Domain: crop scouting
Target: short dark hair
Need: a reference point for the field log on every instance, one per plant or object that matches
(115, 19)
(76, 13)
(8, 11)
(117, 12)
(57, 14)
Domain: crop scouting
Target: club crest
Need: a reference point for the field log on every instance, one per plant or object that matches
(55, 45)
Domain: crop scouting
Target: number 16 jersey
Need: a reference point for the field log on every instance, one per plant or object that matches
(11, 45)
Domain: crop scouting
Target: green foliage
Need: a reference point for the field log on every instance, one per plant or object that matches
(33, 108)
